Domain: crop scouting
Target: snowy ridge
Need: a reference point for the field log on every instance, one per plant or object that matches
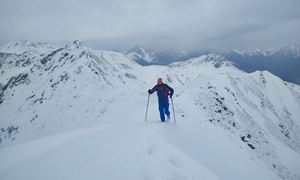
(246, 109)
(206, 60)
(293, 50)
(20, 47)
(44, 84)
(58, 103)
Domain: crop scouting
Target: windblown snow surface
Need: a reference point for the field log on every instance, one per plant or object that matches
(76, 113)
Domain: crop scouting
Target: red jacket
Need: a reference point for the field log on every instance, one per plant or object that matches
(163, 90)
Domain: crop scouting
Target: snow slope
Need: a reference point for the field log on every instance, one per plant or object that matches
(76, 113)
(142, 55)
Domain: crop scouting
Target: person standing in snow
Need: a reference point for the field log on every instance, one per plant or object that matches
(163, 91)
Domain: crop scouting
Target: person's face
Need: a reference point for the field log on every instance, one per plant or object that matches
(159, 81)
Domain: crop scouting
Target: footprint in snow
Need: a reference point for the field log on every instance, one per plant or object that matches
(176, 161)
(151, 149)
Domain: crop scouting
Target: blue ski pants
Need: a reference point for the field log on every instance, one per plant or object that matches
(163, 106)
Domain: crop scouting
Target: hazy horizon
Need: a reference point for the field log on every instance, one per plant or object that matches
(159, 25)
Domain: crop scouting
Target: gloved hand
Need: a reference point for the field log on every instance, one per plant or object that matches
(149, 91)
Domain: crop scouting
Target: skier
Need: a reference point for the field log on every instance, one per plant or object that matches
(163, 91)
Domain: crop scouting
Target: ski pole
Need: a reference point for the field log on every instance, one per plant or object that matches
(173, 110)
(147, 109)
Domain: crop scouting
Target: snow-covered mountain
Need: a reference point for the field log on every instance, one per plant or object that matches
(40, 83)
(243, 104)
(74, 109)
(282, 61)
(144, 56)
(291, 50)
(20, 47)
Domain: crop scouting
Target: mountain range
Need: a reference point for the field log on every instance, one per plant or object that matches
(72, 112)
(283, 62)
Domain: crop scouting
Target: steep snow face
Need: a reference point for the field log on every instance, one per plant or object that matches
(259, 108)
(53, 91)
(224, 115)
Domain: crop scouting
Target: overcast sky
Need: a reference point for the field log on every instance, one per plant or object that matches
(158, 24)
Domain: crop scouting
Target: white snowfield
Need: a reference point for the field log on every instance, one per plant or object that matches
(76, 113)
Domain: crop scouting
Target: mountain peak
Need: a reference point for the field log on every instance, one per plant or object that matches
(76, 44)
(216, 60)
(142, 55)
(140, 49)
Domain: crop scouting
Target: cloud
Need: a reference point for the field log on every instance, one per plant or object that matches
(160, 24)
